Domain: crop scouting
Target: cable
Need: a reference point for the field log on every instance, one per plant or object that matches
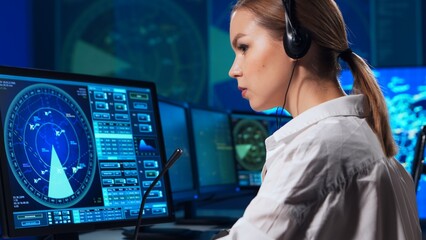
(278, 117)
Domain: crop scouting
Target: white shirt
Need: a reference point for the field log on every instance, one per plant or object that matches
(326, 177)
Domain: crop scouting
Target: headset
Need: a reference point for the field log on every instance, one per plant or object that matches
(296, 39)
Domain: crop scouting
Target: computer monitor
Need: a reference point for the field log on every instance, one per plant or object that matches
(176, 132)
(214, 150)
(78, 152)
(249, 131)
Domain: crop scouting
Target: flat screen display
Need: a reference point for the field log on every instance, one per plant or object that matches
(214, 150)
(78, 152)
(176, 131)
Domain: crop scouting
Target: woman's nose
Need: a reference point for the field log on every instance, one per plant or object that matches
(235, 70)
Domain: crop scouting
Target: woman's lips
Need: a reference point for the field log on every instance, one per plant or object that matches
(243, 91)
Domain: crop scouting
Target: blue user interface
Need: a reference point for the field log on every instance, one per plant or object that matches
(79, 152)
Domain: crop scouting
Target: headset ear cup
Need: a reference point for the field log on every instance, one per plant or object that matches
(296, 42)
(296, 39)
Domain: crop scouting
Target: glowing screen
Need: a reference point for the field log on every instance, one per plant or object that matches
(79, 152)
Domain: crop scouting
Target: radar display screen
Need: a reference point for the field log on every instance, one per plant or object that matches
(79, 149)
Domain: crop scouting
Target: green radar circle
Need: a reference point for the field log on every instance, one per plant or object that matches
(249, 137)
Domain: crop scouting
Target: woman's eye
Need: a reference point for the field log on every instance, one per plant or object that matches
(242, 47)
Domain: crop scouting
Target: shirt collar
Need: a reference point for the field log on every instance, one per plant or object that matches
(351, 105)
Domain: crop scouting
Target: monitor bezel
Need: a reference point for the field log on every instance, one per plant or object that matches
(7, 225)
(187, 194)
(206, 191)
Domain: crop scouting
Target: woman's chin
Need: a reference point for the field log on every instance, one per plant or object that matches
(257, 108)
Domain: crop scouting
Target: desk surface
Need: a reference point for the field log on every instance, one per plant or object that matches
(117, 234)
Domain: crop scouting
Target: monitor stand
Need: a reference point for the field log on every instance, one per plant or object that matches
(65, 236)
(190, 218)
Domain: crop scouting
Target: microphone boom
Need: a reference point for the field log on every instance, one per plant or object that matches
(175, 156)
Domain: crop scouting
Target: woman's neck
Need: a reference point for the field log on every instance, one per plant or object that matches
(307, 92)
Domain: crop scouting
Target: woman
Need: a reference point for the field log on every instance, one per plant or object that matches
(330, 172)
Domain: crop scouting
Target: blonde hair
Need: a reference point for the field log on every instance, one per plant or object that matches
(324, 21)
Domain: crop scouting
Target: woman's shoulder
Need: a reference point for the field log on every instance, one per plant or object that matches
(343, 141)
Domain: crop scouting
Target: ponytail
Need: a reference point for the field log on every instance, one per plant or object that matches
(377, 115)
